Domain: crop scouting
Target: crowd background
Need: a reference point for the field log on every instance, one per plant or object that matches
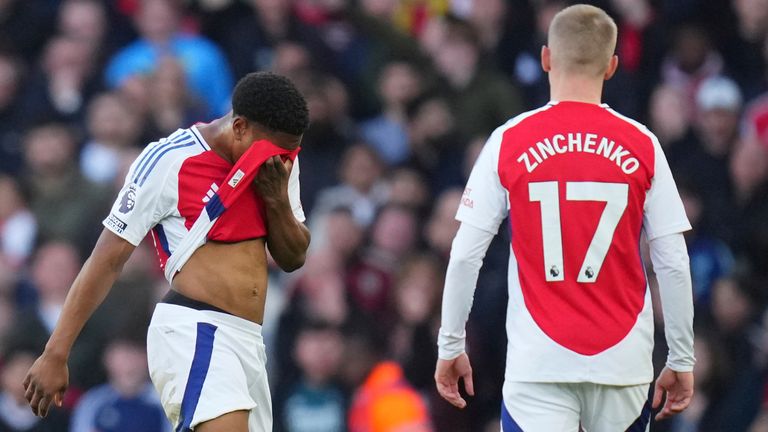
(402, 95)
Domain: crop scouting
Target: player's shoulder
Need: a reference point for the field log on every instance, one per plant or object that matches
(163, 155)
(522, 119)
(632, 124)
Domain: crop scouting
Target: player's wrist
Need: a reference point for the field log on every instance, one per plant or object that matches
(56, 353)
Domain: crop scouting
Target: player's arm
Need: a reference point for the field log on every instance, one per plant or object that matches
(47, 380)
(467, 253)
(482, 209)
(287, 237)
(664, 221)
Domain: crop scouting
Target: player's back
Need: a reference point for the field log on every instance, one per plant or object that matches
(578, 178)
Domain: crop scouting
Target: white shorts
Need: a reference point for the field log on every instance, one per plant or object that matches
(571, 407)
(205, 364)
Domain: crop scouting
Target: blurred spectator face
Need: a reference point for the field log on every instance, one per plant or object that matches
(291, 59)
(730, 305)
(382, 9)
(344, 235)
(471, 154)
(749, 165)
(322, 287)
(271, 10)
(432, 120)
(126, 365)
(111, 120)
(752, 16)
(168, 82)
(318, 353)
(690, 48)
(83, 19)
(669, 113)
(692, 204)
(54, 268)
(719, 102)
(10, 198)
(442, 225)
(545, 12)
(408, 188)
(136, 91)
(158, 20)
(49, 150)
(13, 373)
(399, 84)
(68, 60)
(458, 56)
(338, 98)
(7, 310)
(486, 13)
(433, 35)
(10, 78)
(360, 168)
(395, 231)
(417, 291)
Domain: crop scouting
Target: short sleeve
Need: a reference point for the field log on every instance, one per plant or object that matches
(484, 203)
(664, 213)
(138, 208)
(294, 192)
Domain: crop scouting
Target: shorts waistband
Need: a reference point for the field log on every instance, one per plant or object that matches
(177, 298)
(169, 312)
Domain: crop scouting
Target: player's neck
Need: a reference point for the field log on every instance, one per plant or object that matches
(217, 135)
(575, 88)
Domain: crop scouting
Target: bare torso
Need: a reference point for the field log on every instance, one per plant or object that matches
(230, 276)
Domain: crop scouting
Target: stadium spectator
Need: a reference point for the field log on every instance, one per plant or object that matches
(315, 403)
(399, 83)
(711, 259)
(370, 278)
(85, 20)
(416, 299)
(65, 204)
(174, 106)
(158, 23)
(436, 144)
(127, 402)
(480, 96)
(383, 400)
(407, 187)
(25, 25)
(361, 189)
(18, 226)
(441, 226)
(11, 73)
(113, 127)
(59, 88)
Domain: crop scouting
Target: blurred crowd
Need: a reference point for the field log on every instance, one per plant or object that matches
(402, 95)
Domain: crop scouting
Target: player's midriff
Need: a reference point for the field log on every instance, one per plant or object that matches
(230, 276)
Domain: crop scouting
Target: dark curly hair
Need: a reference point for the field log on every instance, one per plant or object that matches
(272, 101)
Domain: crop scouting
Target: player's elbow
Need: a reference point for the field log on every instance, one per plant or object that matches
(292, 263)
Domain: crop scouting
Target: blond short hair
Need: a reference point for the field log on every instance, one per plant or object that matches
(582, 39)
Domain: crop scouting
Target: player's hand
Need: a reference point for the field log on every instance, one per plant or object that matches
(678, 387)
(46, 382)
(272, 180)
(447, 374)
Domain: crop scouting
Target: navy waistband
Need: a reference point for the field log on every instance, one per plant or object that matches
(176, 298)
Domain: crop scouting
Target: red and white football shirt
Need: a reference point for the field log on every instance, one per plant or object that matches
(167, 187)
(579, 183)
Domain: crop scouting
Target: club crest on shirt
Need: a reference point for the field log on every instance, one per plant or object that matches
(128, 200)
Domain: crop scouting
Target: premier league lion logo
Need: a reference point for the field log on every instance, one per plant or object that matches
(128, 200)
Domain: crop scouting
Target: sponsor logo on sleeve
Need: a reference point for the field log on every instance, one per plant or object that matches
(466, 201)
(236, 178)
(128, 201)
(116, 224)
